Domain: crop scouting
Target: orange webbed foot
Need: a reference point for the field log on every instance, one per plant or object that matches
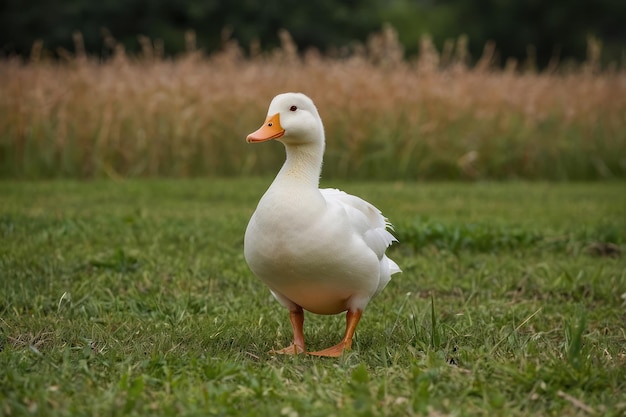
(292, 349)
(352, 319)
(332, 352)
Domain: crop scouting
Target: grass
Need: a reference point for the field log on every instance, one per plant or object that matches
(386, 116)
(133, 298)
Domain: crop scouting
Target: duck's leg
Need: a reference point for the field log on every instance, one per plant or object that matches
(296, 316)
(352, 319)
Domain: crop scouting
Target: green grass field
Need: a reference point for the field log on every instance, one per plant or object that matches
(133, 298)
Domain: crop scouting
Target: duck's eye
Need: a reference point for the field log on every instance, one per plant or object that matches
(293, 108)
(270, 124)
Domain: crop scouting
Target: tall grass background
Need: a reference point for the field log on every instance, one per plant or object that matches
(433, 116)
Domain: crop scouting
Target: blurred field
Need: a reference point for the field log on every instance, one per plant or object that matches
(386, 117)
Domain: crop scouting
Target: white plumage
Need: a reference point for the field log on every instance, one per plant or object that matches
(318, 250)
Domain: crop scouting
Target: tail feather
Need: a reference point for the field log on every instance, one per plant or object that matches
(393, 267)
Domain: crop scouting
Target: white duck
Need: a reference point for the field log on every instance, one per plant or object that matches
(318, 250)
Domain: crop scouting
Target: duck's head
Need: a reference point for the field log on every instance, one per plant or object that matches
(292, 118)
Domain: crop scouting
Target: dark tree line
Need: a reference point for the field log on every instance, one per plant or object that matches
(559, 28)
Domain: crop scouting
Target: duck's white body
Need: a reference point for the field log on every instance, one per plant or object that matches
(321, 250)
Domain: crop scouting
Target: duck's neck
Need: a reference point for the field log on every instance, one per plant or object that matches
(303, 166)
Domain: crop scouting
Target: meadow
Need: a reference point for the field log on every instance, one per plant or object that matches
(133, 298)
(440, 115)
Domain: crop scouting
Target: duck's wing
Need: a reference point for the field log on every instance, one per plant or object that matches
(365, 219)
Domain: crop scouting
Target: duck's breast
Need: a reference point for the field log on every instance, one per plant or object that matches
(314, 259)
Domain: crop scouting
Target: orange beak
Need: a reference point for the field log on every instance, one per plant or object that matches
(271, 129)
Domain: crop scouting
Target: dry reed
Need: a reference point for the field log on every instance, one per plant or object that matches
(386, 117)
